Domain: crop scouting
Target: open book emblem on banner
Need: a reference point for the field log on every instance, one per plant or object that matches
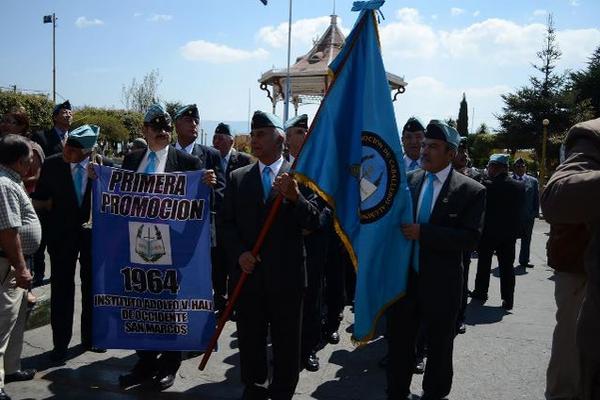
(150, 243)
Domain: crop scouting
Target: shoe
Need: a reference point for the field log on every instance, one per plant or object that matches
(507, 305)
(134, 377)
(163, 381)
(479, 296)
(95, 349)
(19, 376)
(419, 366)
(333, 337)
(311, 363)
(3, 395)
(58, 355)
(462, 328)
(526, 265)
(383, 363)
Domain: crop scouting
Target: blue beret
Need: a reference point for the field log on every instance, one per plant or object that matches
(157, 116)
(499, 159)
(299, 121)
(223, 129)
(66, 105)
(187, 111)
(413, 125)
(437, 129)
(262, 119)
(84, 137)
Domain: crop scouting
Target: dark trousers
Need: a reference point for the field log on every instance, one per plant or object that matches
(465, 291)
(334, 295)
(39, 258)
(438, 321)
(63, 257)
(316, 254)
(281, 313)
(219, 277)
(153, 362)
(505, 251)
(526, 242)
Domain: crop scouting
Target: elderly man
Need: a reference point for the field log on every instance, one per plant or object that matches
(448, 219)
(64, 182)
(531, 209)
(571, 197)
(20, 236)
(161, 367)
(271, 299)
(501, 227)
(413, 134)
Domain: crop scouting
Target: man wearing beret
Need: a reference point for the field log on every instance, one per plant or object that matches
(502, 220)
(51, 141)
(531, 209)
(271, 299)
(231, 159)
(160, 157)
(448, 209)
(64, 181)
(413, 134)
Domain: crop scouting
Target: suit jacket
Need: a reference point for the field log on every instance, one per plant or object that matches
(66, 216)
(237, 160)
(49, 141)
(454, 226)
(241, 219)
(531, 202)
(504, 208)
(211, 159)
(177, 161)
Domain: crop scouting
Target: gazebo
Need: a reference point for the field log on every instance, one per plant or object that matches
(309, 75)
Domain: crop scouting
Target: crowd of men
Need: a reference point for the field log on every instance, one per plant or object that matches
(297, 287)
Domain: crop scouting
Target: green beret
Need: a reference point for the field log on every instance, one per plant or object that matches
(437, 129)
(84, 137)
(299, 121)
(187, 111)
(262, 119)
(501, 159)
(223, 129)
(66, 105)
(413, 125)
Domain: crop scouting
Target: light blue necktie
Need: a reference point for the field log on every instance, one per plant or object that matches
(152, 163)
(424, 214)
(413, 165)
(266, 181)
(78, 182)
(224, 164)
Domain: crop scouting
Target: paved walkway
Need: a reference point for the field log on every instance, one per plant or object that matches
(503, 356)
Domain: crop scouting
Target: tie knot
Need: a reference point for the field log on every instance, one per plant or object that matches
(152, 155)
(431, 177)
(267, 170)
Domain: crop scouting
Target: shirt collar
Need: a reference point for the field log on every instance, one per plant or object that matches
(228, 155)
(443, 174)
(275, 166)
(159, 153)
(12, 174)
(188, 149)
(84, 163)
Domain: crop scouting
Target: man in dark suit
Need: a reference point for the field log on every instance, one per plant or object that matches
(531, 209)
(159, 157)
(272, 296)
(64, 182)
(448, 220)
(503, 213)
(231, 159)
(51, 141)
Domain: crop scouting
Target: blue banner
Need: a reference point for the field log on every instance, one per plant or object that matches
(151, 261)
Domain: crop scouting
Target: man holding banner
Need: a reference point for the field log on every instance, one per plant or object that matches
(159, 158)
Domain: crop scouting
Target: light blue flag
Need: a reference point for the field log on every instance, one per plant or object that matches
(352, 157)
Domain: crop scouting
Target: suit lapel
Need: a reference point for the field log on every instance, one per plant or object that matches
(68, 179)
(442, 200)
(232, 161)
(171, 164)
(197, 151)
(416, 185)
(285, 167)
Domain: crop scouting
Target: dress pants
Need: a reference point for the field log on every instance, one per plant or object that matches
(13, 310)
(153, 362)
(259, 312)
(526, 242)
(219, 277)
(316, 255)
(419, 308)
(505, 251)
(64, 253)
(563, 377)
(335, 279)
(465, 291)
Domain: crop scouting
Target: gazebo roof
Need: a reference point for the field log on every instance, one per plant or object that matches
(310, 73)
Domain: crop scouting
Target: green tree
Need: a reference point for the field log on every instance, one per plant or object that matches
(462, 124)
(586, 84)
(481, 146)
(483, 128)
(544, 97)
(115, 125)
(451, 122)
(138, 96)
(172, 107)
(39, 108)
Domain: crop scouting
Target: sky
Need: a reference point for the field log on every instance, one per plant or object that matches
(212, 52)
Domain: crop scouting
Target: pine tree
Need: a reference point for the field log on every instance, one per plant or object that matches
(586, 84)
(462, 125)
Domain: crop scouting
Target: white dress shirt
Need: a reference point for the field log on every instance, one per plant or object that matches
(275, 167)
(441, 177)
(161, 156)
(188, 149)
(408, 161)
(84, 176)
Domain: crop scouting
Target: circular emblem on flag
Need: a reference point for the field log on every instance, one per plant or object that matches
(379, 178)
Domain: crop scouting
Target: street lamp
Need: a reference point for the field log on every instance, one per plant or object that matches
(545, 123)
(51, 19)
